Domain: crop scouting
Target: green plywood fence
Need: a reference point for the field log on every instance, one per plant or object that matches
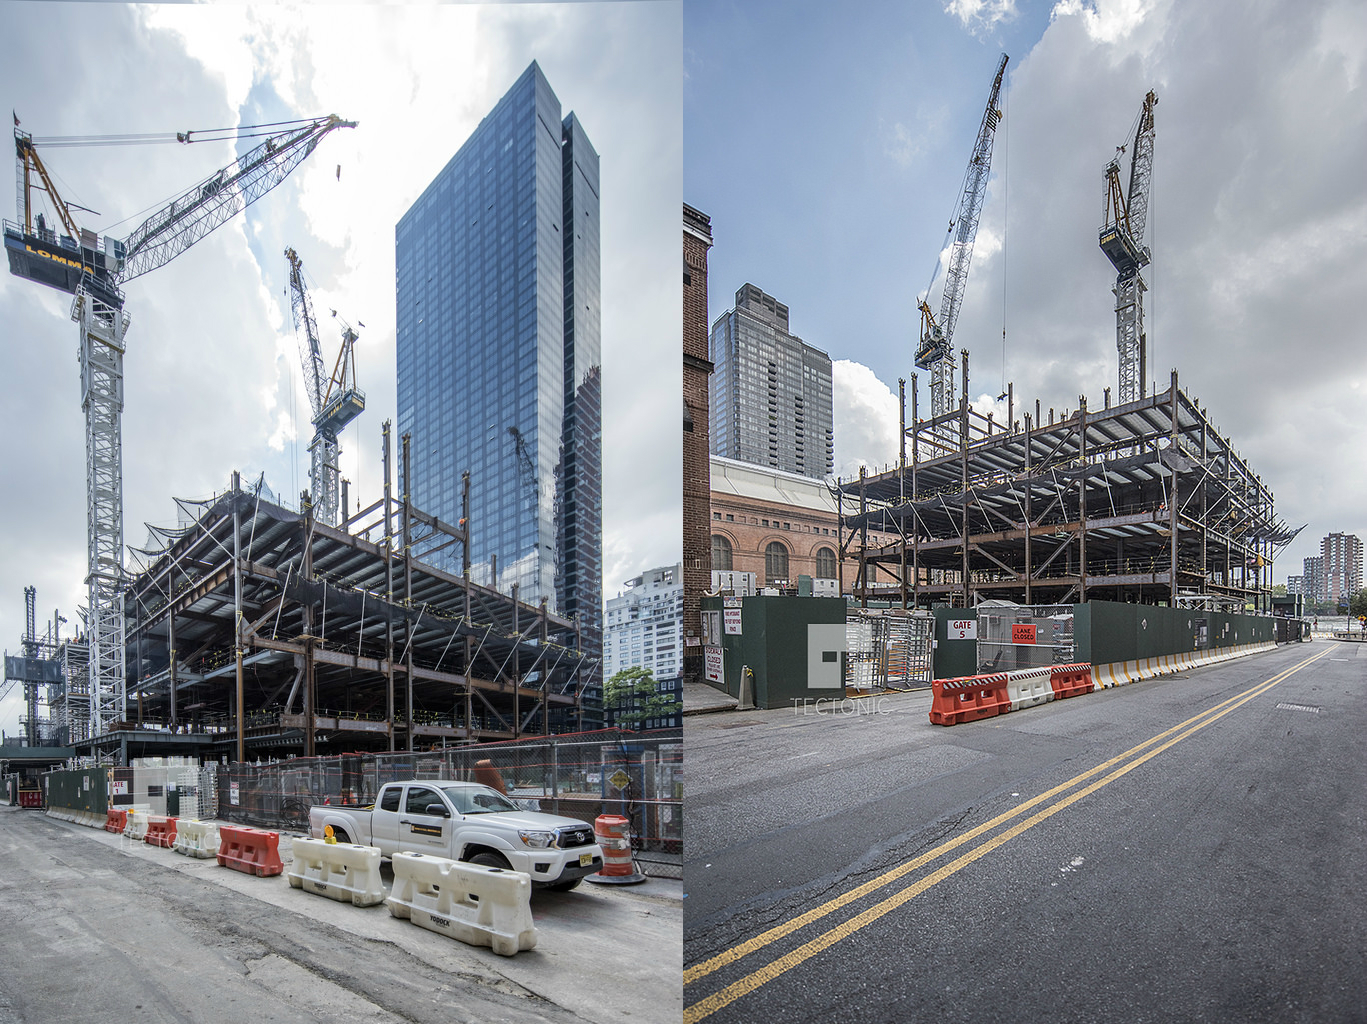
(78, 789)
(780, 639)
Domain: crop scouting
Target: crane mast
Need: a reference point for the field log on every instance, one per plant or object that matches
(334, 404)
(91, 270)
(1122, 240)
(934, 353)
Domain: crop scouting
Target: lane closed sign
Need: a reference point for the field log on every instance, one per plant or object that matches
(1023, 633)
(962, 629)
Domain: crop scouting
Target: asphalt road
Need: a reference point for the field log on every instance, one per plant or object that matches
(94, 928)
(1191, 848)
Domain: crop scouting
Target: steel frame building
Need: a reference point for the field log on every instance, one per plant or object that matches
(332, 639)
(1145, 502)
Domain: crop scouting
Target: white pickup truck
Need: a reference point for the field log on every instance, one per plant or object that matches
(471, 822)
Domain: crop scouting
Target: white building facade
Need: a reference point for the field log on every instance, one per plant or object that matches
(643, 627)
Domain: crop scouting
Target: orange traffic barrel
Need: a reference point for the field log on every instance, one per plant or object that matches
(613, 833)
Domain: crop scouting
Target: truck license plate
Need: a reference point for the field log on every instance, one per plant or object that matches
(585, 860)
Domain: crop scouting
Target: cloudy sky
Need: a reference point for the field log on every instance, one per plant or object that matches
(212, 375)
(828, 141)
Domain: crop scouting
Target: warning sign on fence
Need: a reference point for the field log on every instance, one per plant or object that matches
(1023, 633)
(712, 664)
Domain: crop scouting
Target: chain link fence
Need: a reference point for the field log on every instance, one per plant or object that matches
(638, 775)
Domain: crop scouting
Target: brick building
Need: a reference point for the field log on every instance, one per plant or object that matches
(777, 525)
(697, 566)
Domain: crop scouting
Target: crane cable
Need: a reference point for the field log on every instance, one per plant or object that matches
(245, 131)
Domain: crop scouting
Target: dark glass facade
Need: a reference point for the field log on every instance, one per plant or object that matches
(498, 351)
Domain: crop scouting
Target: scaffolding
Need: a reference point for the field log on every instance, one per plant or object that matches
(1145, 502)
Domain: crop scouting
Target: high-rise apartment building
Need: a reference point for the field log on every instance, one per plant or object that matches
(1313, 585)
(644, 628)
(770, 392)
(1341, 555)
(498, 342)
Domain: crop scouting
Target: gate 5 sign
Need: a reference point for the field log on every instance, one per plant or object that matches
(962, 629)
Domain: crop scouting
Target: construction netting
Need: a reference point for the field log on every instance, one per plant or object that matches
(638, 775)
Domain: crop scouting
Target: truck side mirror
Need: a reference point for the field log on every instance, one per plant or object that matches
(439, 810)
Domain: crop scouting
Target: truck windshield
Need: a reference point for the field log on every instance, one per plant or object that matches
(479, 800)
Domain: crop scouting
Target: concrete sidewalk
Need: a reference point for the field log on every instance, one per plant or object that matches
(703, 699)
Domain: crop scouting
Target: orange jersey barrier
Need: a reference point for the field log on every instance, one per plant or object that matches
(252, 851)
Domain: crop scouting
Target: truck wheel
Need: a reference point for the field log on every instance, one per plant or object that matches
(491, 860)
(340, 835)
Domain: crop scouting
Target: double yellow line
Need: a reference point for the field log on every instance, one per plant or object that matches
(1127, 761)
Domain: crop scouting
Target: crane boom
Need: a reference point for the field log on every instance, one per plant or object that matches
(218, 198)
(306, 329)
(934, 352)
(1122, 240)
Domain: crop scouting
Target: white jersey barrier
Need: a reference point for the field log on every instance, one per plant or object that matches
(75, 815)
(136, 829)
(197, 838)
(1027, 687)
(482, 906)
(339, 871)
(1121, 672)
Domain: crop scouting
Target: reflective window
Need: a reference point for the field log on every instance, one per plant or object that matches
(418, 799)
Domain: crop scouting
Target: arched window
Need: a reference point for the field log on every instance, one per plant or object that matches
(721, 553)
(825, 564)
(775, 562)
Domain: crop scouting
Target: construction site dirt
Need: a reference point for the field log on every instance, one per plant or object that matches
(100, 927)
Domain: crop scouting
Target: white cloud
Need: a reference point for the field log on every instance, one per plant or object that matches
(867, 419)
(1106, 21)
(981, 14)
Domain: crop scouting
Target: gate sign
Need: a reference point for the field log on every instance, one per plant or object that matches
(1023, 633)
(962, 629)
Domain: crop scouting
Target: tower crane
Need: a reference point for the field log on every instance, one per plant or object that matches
(1122, 240)
(335, 404)
(31, 651)
(934, 352)
(525, 465)
(92, 270)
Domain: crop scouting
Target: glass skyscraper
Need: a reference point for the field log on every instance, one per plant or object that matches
(498, 352)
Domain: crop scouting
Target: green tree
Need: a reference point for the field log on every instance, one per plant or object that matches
(633, 696)
(1358, 604)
